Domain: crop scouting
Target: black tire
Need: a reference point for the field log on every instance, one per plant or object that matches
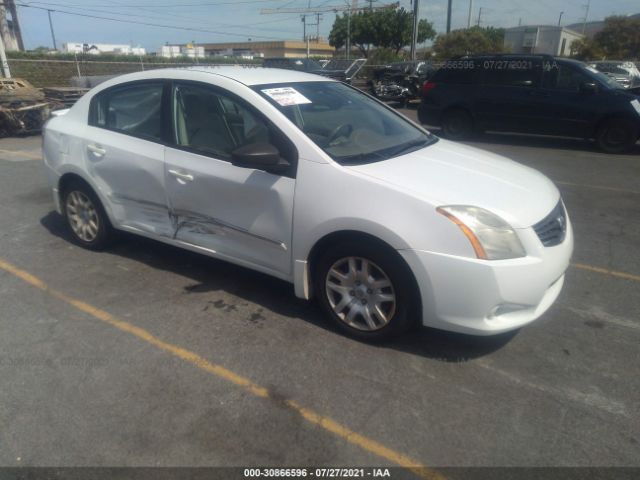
(457, 124)
(617, 135)
(405, 311)
(104, 233)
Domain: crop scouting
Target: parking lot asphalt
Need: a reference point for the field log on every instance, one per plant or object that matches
(149, 355)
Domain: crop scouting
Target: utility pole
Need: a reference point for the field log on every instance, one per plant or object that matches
(448, 16)
(479, 15)
(586, 15)
(303, 18)
(560, 18)
(470, 10)
(348, 7)
(53, 35)
(11, 5)
(3, 58)
(348, 33)
(414, 36)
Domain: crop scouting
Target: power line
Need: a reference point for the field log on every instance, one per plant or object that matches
(171, 5)
(148, 24)
(164, 17)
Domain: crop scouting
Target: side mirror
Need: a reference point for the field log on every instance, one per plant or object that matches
(588, 88)
(261, 156)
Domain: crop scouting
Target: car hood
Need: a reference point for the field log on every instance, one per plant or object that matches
(448, 173)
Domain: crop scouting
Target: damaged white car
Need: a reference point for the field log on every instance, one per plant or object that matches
(314, 182)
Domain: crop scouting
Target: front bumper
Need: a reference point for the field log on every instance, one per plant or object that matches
(481, 297)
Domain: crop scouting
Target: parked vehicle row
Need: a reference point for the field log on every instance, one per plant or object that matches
(400, 81)
(531, 94)
(625, 73)
(312, 181)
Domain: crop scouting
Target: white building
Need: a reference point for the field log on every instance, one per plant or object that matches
(173, 51)
(542, 39)
(98, 48)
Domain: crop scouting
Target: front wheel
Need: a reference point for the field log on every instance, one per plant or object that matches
(366, 291)
(87, 219)
(617, 135)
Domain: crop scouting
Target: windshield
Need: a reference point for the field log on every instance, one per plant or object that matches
(603, 78)
(348, 125)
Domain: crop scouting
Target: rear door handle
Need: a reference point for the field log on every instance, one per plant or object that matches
(97, 150)
(185, 177)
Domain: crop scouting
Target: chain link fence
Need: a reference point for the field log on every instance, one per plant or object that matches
(58, 73)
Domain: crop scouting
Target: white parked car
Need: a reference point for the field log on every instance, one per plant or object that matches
(314, 182)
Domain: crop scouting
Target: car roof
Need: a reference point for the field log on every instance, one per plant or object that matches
(246, 74)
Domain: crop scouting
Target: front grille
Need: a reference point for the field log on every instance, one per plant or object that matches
(552, 229)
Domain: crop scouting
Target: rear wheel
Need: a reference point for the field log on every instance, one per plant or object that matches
(617, 135)
(86, 218)
(366, 290)
(457, 124)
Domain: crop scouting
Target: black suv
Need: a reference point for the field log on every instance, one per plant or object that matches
(530, 94)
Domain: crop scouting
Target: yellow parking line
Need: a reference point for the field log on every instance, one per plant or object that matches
(28, 155)
(606, 271)
(599, 187)
(326, 423)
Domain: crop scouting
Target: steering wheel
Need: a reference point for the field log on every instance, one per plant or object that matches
(343, 130)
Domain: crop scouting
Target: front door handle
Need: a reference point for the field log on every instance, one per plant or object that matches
(97, 150)
(185, 177)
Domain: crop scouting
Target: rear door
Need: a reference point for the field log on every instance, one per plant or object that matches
(124, 154)
(239, 213)
(509, 97)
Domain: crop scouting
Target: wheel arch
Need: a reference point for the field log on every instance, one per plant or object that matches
(341, 236)
(71, 177)
(610, 116)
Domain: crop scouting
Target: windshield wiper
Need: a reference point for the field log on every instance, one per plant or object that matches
(409, 147)
(361, 158)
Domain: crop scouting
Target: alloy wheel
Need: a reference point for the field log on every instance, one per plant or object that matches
(360, 293)
(82, 216)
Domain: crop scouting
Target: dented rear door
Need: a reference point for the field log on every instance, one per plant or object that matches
(124, 154)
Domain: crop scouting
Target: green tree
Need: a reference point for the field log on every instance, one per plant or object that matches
(474, 40)
(620, 38)
(383, 28)
(586, 49)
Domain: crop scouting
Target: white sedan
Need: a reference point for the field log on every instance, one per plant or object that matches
(311, 181)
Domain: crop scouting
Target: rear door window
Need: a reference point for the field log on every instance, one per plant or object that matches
(134, 109)
(512, 73)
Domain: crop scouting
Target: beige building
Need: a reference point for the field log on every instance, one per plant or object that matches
(550, 40)
(270, 49)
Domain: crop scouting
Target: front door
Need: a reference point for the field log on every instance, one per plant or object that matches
(569, 111)
(239, 213)
(508, 98)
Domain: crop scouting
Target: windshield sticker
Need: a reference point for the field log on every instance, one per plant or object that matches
(286, 96)
(636, 104)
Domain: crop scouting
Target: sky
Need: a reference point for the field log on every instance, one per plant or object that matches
(240, 20)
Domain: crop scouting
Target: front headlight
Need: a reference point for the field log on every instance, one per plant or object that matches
(491, 237)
